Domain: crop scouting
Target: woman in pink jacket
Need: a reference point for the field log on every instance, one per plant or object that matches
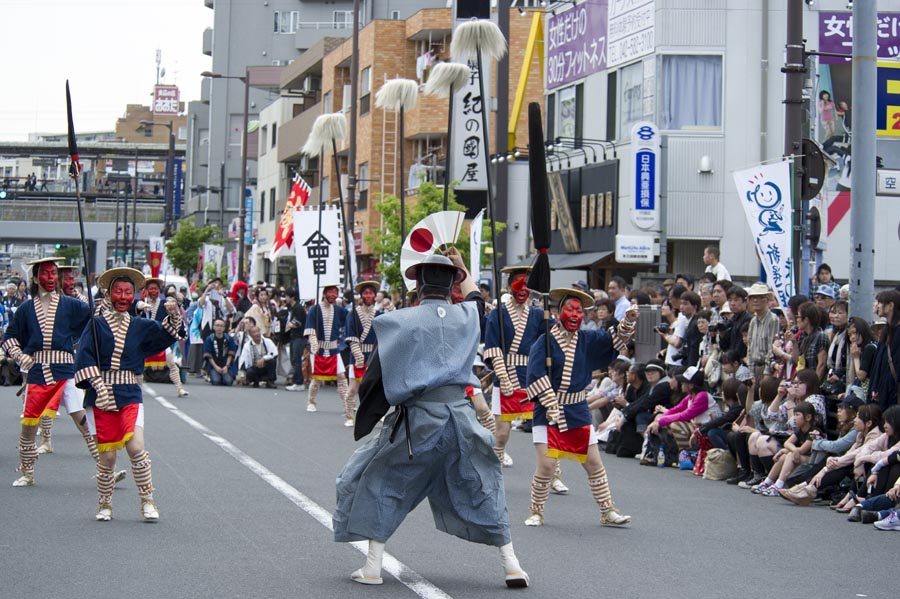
(697, 407)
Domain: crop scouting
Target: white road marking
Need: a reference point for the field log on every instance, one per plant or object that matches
(406, 575)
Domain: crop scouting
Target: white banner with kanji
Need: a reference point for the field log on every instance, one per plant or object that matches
(765, 193)
(318, 251)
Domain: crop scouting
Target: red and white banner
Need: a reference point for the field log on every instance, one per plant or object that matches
(157, 251)
(284, 234)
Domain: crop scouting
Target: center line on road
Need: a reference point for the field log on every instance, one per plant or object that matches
(406, 575)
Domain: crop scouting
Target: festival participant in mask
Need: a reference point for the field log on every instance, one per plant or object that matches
(431, 445)
(522, 325)
(113, 380)
(360, 335)
(152, 307)
(40, 339)
(562, 421)
(326, 325)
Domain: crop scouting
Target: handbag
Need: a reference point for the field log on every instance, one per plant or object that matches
(720, 465)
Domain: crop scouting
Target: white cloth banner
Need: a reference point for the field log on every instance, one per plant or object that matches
(467, 161)
(765, 193)
(212, 258)
(157, 245)
(252, 276)
(318, 252)
(475, 245)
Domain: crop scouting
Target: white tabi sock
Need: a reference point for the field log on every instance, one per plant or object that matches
(371, 572)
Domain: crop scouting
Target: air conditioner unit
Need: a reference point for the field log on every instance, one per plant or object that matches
(304, 163)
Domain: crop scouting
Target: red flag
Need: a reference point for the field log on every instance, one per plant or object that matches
(284, 234)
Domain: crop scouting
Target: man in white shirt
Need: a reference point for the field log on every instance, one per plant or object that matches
(258, 359)
(711, 260)
(617, 289)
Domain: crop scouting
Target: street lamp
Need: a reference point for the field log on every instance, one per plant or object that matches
(242, 214)
(170, 176)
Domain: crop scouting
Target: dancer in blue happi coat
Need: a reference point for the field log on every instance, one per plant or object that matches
(431, 445)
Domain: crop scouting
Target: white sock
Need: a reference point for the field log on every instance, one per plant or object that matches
(372, 569)
(768, 481)
(779, 484)
(509, 559)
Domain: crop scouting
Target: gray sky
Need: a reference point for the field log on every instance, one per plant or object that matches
(107, 50)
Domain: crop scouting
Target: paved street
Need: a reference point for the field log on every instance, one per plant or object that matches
(245, 480)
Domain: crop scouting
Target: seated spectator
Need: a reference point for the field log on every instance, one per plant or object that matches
(861, 353)
(638, 414)
(600, 399)
(867, 427)
(734, 394)
(637, 389)
(734, 367)
(218, 352)
(812, 350)
(696, 408)
(258, 360)
(796, 451)
(882, 455)
(755, 458)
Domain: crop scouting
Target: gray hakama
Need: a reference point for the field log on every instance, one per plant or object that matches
(426, 354)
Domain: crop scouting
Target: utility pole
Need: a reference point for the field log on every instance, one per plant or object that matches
(794, 70)
(501, 137)
(350, 225)
(862, 175)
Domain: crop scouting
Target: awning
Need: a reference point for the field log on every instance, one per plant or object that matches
(583, 260)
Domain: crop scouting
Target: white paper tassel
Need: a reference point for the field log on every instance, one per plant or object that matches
(445, 76)
(396, 94)
(476, 34)
(325, 129)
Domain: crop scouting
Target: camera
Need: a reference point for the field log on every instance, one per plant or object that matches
(662, 327)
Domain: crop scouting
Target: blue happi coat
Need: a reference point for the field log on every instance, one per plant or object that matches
(64, 320)
(517, 361)
(335, 341)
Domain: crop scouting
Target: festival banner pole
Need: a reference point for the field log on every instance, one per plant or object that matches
(443, 80)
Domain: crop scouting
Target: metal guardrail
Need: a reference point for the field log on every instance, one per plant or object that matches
(67, 211)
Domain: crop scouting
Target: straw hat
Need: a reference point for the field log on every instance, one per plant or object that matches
(135, 276)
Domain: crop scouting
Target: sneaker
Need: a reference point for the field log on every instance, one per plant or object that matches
(751, 482)
(26, 480)
(892, 522)
(45, 447)
(149, 511)
(614, 518)
(182, 392)
(770, 491)
(507, 461)
(104, 512)
(757, 489)
(558, 486)
(534, 519)
(741, 475)
(348, 423)
(311, 407)
(295, 388)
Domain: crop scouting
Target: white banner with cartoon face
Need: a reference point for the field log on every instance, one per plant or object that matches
(765, 194)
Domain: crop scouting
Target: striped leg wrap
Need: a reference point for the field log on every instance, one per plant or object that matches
(557, 473)
(175, 374)
(540, 490)
(499, 451)
(313, 391)
(46, 427)
(600, 489)
(91, 442)
(343, 389)
(106, 480)
(28, 455)
(140, 471)
(487, 421)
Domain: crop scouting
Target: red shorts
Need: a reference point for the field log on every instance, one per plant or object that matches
(42, 400)
(571, 445)
(157, 361)
(115, 429)
(510, 407)
(325, 369)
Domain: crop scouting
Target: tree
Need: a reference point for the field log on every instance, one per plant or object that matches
(183, 249)
(70, 253)
(386, 241)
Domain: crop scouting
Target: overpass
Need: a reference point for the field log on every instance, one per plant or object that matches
(54, 219)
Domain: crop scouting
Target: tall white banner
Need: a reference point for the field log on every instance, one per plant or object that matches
(765, 194)
(467, 161)
(318, 252)
(212, 255)
(253, 276)
(475, 245)
(232, 266)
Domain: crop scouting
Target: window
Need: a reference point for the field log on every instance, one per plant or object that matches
(691, 93)
(274, 133)
(262, 206)
(272, 202)
(365, 90)
(326, 103)
(631, 95)
(568, 116)
(287, 21)
(263, 136)
(362, 185)
(395, 15)
(343, 19)
(182, 133)
(148, 131)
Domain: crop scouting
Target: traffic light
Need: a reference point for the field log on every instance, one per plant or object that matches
(3, 194)
(62, 246)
